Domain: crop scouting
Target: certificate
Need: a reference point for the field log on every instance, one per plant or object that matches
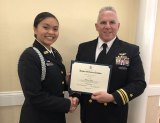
(89, 78)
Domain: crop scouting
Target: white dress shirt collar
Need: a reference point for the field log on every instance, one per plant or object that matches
(109, 43)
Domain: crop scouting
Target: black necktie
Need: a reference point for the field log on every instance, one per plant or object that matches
(102, 54)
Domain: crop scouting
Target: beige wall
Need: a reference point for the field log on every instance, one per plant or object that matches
(9, 114)
(153, 111)
(77, 19)
(153, 108)
(155, 76)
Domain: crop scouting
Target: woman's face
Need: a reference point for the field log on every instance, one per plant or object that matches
(47, 31)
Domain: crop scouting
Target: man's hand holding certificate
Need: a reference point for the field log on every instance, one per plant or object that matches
(89, 78)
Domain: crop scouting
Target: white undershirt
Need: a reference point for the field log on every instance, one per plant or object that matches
(100, 48)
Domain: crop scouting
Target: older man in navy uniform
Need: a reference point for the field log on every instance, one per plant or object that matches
(127, 74)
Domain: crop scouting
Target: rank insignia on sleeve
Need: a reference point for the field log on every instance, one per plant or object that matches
(122, 59)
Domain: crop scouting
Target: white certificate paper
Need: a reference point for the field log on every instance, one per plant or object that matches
(89, 78)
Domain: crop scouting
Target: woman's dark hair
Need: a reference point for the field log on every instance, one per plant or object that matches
(41, 16)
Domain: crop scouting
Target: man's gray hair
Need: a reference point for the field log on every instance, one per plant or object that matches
(107, 8)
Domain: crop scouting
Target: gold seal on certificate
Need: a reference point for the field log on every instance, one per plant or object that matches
(89, 78)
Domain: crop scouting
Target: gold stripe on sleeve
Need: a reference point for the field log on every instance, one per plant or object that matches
(121, 96)
(124, 96)
(127, 99)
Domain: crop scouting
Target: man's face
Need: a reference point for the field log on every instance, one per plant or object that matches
(107, 25)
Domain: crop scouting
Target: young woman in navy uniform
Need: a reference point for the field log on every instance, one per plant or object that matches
(43, 86)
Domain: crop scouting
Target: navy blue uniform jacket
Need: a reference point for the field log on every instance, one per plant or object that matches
(44, 100)
(126, 82)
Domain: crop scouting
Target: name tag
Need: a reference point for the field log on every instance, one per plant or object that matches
(49, 63)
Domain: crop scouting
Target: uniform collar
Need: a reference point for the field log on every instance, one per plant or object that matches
(49, 50)
(109, 43)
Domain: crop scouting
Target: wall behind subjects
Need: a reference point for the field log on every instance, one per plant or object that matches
(77, 19)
